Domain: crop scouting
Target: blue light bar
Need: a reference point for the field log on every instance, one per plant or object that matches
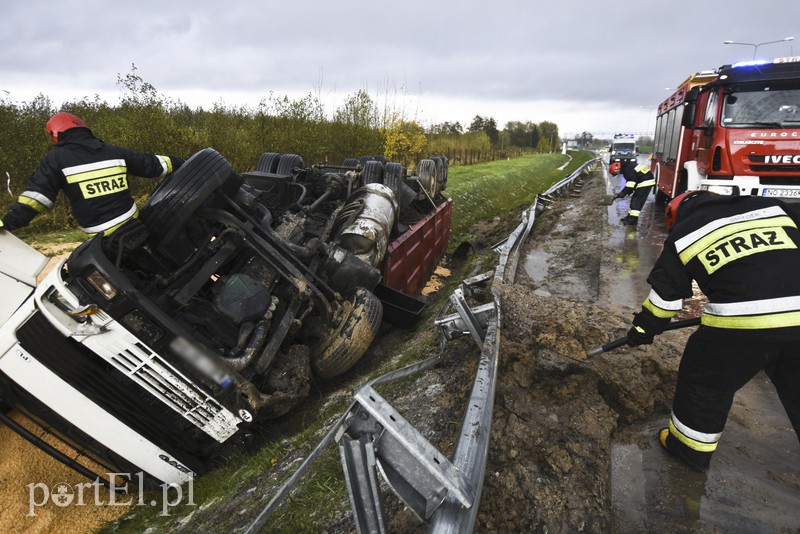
(751, 63)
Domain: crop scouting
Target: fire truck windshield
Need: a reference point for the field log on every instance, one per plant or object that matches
(777, 108)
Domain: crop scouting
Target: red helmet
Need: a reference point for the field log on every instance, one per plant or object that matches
(61, 122)
(614, 168)
(671, 213)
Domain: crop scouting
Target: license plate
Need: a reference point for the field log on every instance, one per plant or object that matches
(784, 193)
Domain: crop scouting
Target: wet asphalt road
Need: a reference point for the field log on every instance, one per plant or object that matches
(753, 484)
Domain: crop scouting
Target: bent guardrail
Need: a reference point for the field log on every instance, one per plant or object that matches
(445, 493)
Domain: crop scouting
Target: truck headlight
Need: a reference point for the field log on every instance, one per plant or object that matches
(103, 286)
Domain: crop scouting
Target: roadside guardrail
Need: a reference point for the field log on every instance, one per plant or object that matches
(371, 434)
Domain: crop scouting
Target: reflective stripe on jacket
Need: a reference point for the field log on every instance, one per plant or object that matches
(744, 254)
(94, 178)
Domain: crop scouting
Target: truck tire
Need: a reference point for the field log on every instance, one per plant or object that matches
(380, 158)
(344, 345)
(439, 172)
(446, 170)
(351, 162)
(426, 172)
(268, 162)
(393, 177)
(174, 202)
(373, 172)
(288, 163)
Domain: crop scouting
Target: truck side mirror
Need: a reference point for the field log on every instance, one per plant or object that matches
(689, 107)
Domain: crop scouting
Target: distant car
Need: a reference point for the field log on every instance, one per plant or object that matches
(153, 349)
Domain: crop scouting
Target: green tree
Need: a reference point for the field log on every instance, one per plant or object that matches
(550, 141)
(487, 125)
(523, 134)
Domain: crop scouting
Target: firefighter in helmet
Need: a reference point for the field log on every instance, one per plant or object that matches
(92, 174)
(639, 181)
(744, 254)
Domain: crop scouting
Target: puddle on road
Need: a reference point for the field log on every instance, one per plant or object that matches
(753, 484)
(537, 266)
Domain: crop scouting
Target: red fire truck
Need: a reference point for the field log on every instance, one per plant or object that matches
(734, 131)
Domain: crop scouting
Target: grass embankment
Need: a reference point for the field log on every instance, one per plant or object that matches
(232, 496)
(488, 190)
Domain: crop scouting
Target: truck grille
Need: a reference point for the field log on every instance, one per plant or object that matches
(764, 167)
(119, 347)
(775, 168)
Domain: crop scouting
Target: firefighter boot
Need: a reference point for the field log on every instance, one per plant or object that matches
(629, 220)
(695, 460)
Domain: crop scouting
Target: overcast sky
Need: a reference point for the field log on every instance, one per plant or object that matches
(587, 65)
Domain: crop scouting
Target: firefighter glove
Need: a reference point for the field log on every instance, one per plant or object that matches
(621, 194)
(637, 336)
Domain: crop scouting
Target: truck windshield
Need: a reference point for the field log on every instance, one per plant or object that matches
(779, 108)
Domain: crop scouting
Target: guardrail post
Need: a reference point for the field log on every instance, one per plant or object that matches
(377, 435)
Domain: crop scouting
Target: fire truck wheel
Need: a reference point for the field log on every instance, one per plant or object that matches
(268, 162)
(174, 202)
(373, 172)
(348, 341)
(393, 177)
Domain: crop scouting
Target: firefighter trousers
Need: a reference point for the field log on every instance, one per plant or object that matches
(713, 368)
(638, 199)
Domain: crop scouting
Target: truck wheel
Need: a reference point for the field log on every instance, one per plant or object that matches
(344, 345)
(351, 162)
(288, 163)
(426, 172)
(373, 172)
(268, 162)
(174, 202)
(439, 172)
(393, 177)
(380, 158)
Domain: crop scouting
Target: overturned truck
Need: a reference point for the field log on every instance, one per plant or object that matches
(155, 348)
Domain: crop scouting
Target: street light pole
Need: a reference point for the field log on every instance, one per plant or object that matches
(756, 45)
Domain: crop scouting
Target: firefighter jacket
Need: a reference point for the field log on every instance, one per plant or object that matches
(636, 177)
(744, 254)
(94, 178)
